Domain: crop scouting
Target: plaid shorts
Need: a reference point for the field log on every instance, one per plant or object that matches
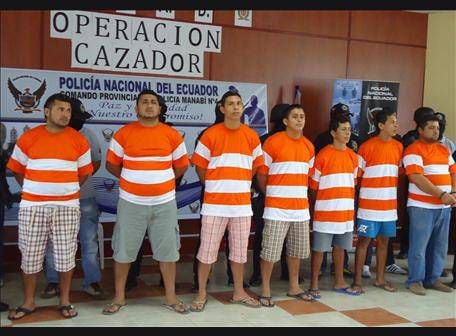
(274, 234)
(36, 225)
(212, 231)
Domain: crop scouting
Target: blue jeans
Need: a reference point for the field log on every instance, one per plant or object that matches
(88, 237)
(428, 244)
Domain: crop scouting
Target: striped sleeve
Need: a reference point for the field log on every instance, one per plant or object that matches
(257, 153)
(202, 154)
(413, 164)
(179, 155)
(18, 159)
(85, 166)
(314, 180)
(267, 157)
(115, 151)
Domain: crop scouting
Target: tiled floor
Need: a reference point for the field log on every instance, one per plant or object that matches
(374, 308)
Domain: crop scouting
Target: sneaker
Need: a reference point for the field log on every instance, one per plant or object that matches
(401, 255)
(52, 289)
(417, 288)
(395, 269)
(366, 272)
(452, 284)
(95, 291)
(440, 286)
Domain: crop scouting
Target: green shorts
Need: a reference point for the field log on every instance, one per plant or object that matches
(133, 220)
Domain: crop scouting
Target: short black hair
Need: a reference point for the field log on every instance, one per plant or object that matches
(338, 119)
(161, 103)
(280, 126)
(219, 116)
(423, 122)
(228, 94)
(382, 116)
(57, 96)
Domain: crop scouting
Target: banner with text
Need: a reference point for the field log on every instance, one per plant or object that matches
(364, 98)
(111, 101)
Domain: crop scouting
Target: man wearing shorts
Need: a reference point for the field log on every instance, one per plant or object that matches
(288, 157)
(379, 159)
(147, 156)
(50, 162)
(334, 179)
(226, 158)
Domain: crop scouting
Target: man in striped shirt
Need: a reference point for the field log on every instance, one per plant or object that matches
(226, 158)
(334, 180)
(431, 171)
(379, 159)
(147, 156)
(50, 162)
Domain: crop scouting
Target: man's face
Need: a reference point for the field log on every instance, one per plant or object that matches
(296, 120)
(343, 132)
(390, 126)
(233, 108)
(148, 107)
(59, 114)
(430, 133)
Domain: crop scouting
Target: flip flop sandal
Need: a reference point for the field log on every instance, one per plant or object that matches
(386, 286)
(304, 296)
(198, 306)
(106, 310)
(67, 309)
(357, 288)
(175, 307)
(248, 302)
(347, 291)
(21, 310)
(268, 299)
(315, 293)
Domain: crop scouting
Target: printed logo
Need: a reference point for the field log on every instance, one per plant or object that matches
(26, 101)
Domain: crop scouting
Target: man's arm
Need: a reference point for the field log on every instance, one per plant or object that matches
(178, 172)
(96, 165)
(426, 186)
(114, 169)
(19, 178)
(262, 181)
(201, 172)
(82, 179)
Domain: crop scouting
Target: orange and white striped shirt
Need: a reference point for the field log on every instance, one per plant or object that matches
(379, 163)
(433, 161)
(334, 179)
(229, 155)
(147, 156)
(287, 163)
(51, 164)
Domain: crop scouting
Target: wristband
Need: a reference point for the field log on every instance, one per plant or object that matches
(441, 195)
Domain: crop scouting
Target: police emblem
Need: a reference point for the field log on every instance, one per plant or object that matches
(27, 101)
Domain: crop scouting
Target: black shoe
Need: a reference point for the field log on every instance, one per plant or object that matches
(401, 255)
(130, 285)
(52, 289)
(231, 284)
(3, 307)
(255, 281)
(452, 284)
